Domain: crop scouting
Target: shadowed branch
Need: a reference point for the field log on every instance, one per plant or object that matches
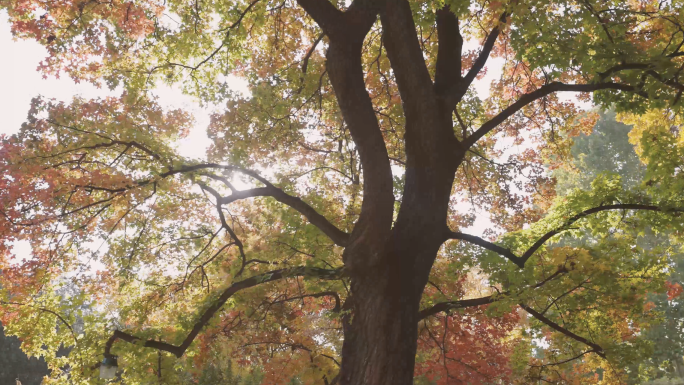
(520, 260)
(179, 350)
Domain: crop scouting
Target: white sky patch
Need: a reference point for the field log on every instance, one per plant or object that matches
(20, 81)
(22, 251)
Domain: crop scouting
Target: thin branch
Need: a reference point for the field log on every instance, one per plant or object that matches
(315, 295)
(305, 61)
(567, 360)
(42, 309)
(597, 349)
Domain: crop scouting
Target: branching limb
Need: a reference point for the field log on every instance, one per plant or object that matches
(538, 94)
(346, 32)
(179, 350)
(338, 236)
(570, 221)
(456, 92)
(464, 303)
(521, 260)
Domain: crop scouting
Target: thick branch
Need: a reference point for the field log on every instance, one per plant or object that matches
(406, 55)
(450, 305)
(455, 93)
(179, 350)
(487, 245)
(597, 349)
(538, 94)
(346, 75)
(521, 260)
(450, 46)
(324, 14)
(338, 236)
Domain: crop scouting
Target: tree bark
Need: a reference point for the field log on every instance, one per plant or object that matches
(380, 334)
(389, 263)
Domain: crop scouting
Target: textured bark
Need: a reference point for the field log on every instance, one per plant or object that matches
(389, 266)
(381, 332)
(380, 336)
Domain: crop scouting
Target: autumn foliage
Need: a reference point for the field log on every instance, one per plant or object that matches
(333, 231)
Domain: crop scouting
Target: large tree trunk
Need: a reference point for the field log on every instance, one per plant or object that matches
(380, 337)
(380, 333)
(389, 262)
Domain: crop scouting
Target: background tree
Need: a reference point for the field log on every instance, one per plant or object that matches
(607, 150)
(15, 364)
(337, 192)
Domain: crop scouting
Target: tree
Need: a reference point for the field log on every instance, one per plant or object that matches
(608, 150)
(337, 192)
(14, 363)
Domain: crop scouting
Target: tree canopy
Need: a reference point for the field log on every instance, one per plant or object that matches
(324, 237)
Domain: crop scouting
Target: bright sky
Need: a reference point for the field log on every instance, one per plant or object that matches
(20, 81)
